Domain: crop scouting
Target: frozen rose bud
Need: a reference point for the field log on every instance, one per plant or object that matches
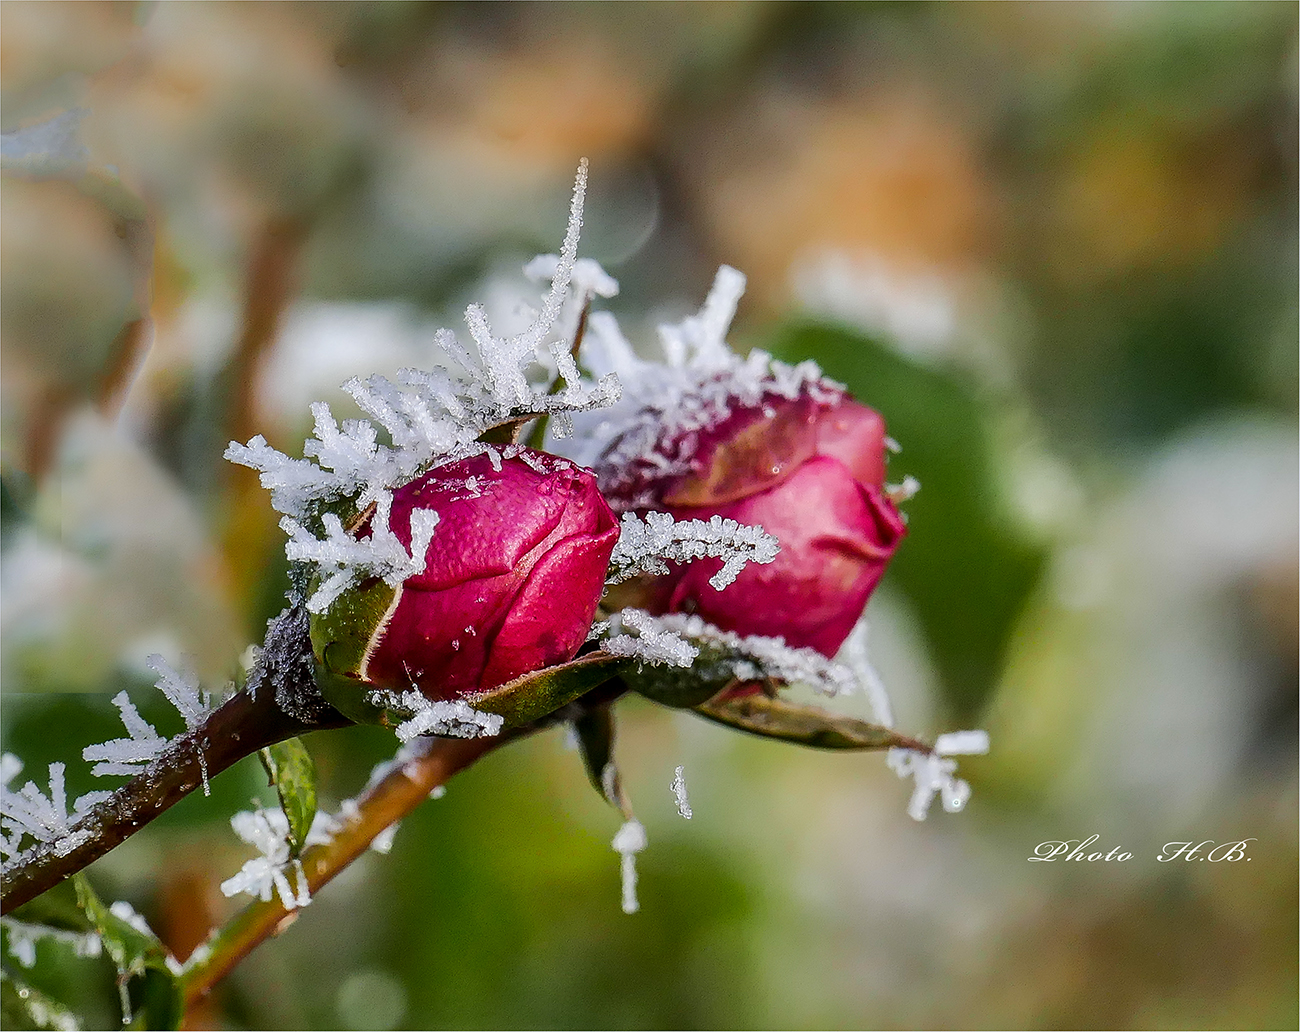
(511, 581)
(811, 473)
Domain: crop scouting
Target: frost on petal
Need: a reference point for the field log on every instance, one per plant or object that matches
(629, 840)
(645, 545)
(427, 418)
(653, 432)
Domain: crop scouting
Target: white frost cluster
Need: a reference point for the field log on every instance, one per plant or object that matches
(449, 718)
(629, 840)
(645, 545)
(30, 814)
(432, 418)
(654, 431)
(755, 657)
(129, 756)
(651, 641)
(934, 773)
(267, 831)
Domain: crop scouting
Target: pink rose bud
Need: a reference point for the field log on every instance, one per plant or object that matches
(511, 581)
(811, 473)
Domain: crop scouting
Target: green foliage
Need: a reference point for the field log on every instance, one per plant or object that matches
(290, 769)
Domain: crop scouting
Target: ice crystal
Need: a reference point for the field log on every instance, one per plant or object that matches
(644, 545)
(431, 418)
(679, 793)
(267, 831)
(629, 840)
(751, 657)
(854, 656)
(933, 773)
(448, 718)
(651, 642)
(129, 756)
(654, 432)
(30, 814)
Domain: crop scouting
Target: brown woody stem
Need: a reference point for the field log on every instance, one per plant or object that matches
(386, 802)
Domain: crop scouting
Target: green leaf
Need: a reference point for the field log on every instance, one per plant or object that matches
(22, 1007)
(55, 908)
(291, 770)
(803, 725)
(595, 730)
(541, 693)
(151, 994)
(685, 687)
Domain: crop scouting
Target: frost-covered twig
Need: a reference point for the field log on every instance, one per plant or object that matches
(645, 545)
(425, 764)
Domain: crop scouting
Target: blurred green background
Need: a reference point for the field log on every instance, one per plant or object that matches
(1055, 244)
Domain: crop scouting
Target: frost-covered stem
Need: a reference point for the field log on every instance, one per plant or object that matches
(389, 800)
(247, 722)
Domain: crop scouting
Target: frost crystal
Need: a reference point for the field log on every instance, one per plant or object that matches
(752, 657)
(29, 813)
(854, 656)
(644, 545)
(267, 831)
(679, 793)
(431, 418)
(654, 642)
(933, 773)
(629, 840)
(450, 719)
(654, 432)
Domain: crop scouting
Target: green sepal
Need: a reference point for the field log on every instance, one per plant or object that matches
(349, 695)
(803, 725)
(143, 965)
(595, 731)
(341, 635)
(291, 770)
(22, 1007)
(539, 694)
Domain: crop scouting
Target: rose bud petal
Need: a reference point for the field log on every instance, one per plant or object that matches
(808, 470)
(511, 581)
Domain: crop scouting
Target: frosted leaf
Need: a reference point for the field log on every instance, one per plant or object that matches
(23, 937)
(679, 793)
(629, 840)
(933, 773)
(448, 718)
(644, 545)
(751, 657)
(651, 641)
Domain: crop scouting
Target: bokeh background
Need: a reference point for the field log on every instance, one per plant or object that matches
(1055, 244)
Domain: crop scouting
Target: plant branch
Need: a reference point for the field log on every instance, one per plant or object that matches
(281, 701)
(386, 802)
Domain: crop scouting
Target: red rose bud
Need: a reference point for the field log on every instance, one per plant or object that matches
(511, 581)
(810, 473)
